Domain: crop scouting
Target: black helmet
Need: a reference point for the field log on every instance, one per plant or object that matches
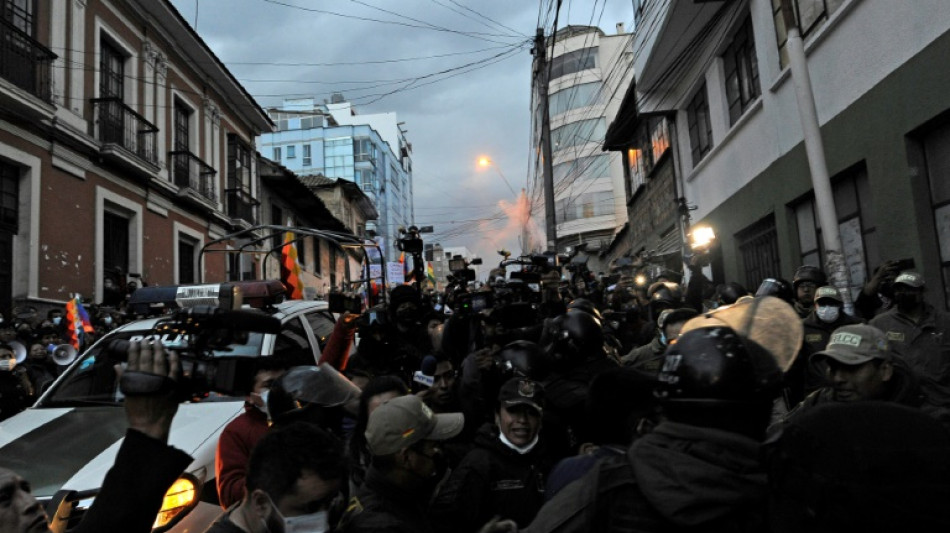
(666, 292)
(809, 273)
(585, 305)
(714, 366)
(730, 292)
(571, 337)
(777, 287)
(525, 358)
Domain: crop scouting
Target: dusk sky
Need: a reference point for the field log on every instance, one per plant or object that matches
(458, 72)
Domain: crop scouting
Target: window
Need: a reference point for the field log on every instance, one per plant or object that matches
(742, 71)
(277, 219)
(322, 326)
(581, 132)
(936, 148)
(366, 178)
(587, 205)
(239, 164)
(111, 71)
(307, 160)
(182, 129)
(571, 62)
(293, 343)
(700, 130)
(852, 199)
(758, 245)
(651, 141)
(187, 260)
(277, 153)
(583, 95)
(364, 150)
(583, 168)
(9, 197)
(809, 14)
(19, 13)
(338, 158)
(115, 240)
(291, 152)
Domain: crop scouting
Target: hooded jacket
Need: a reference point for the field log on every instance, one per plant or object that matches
(678, 478)
(492, 480)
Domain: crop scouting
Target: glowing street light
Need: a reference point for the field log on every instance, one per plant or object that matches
(701, 238)
(485, 161)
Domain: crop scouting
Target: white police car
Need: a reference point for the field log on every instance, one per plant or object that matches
(65, 444)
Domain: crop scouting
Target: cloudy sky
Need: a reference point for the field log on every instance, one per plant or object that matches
(459, 74)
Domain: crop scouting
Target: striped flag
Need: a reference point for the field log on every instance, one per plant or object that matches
(77, 322)
(290, 268)
(430, 272)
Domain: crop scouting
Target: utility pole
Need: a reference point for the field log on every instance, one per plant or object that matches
(541, 76)
(835, 262)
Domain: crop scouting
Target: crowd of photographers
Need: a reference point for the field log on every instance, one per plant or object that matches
(531, 403)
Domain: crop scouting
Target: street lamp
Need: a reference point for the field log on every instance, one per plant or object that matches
(485, 161)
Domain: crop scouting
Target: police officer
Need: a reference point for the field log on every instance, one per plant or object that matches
(806, 281)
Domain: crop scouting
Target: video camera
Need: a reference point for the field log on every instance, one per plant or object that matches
(411, 243)
(203, 335)
(340, 302)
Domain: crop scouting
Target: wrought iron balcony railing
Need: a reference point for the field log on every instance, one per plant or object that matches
(188, 170)
(119, 124)
(25, 62)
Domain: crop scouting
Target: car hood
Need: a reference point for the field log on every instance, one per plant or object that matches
(73, 448)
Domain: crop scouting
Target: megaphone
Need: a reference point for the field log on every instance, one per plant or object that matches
(19, 351)
(63, 354)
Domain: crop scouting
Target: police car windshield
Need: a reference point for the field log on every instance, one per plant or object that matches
(92, 379)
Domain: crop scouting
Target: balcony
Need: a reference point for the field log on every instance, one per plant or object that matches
(240, 204)
(119, 126)
(192, 174)
(25, 67)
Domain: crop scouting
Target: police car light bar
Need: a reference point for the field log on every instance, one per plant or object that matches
(228, 295)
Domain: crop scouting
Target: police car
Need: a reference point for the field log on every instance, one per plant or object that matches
(65, 444)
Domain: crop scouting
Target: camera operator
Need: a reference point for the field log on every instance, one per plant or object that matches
(145, 465)
(393, 339)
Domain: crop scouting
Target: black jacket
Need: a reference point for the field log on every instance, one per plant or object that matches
(492, 480)
(380, 506)
(678, 478)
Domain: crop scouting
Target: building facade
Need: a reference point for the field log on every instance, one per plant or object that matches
(588, 73)
(718, 73)
(125, 145)
(334, 141)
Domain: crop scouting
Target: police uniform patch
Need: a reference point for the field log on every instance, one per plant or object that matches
(813, 337)
(895, 336)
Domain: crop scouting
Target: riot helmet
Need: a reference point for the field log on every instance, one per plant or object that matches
(809, 273)
(572, 337)
(585, 305)
(525, 358)
(777, 287)
(315, 394)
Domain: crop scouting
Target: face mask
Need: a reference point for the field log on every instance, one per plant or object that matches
(663, 340)
(827, 313)
(318, 522)
(107, 320)
(57, 320)
(263, 408)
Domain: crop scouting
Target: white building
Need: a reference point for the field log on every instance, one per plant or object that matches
(589, 72)
(718, 73)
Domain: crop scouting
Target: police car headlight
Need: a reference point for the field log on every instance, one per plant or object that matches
(180, 498)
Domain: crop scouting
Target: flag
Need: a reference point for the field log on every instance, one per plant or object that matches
(77, 322)
(290, 268)
(430, 273)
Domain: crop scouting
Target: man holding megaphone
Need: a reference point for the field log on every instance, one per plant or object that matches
(16, 391)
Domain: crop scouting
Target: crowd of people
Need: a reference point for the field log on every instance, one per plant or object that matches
(595, 406)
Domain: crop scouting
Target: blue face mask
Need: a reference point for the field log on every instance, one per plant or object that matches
(57, 320)
(663, 340)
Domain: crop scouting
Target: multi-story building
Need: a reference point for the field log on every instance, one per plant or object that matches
(334, 141)
(589, 72)
(125, 145)
(713, 82)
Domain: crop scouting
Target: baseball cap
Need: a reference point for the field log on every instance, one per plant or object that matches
(828, 292)
(405, 421)
(911, 279)
(520, 391)
(856, 344)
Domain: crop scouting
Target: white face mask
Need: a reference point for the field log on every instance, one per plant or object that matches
(263, 408)
(318, 522)
(827, 313)
(57, 320)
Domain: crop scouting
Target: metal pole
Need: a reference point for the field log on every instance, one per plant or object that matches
(541, 75)
(836, 266)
